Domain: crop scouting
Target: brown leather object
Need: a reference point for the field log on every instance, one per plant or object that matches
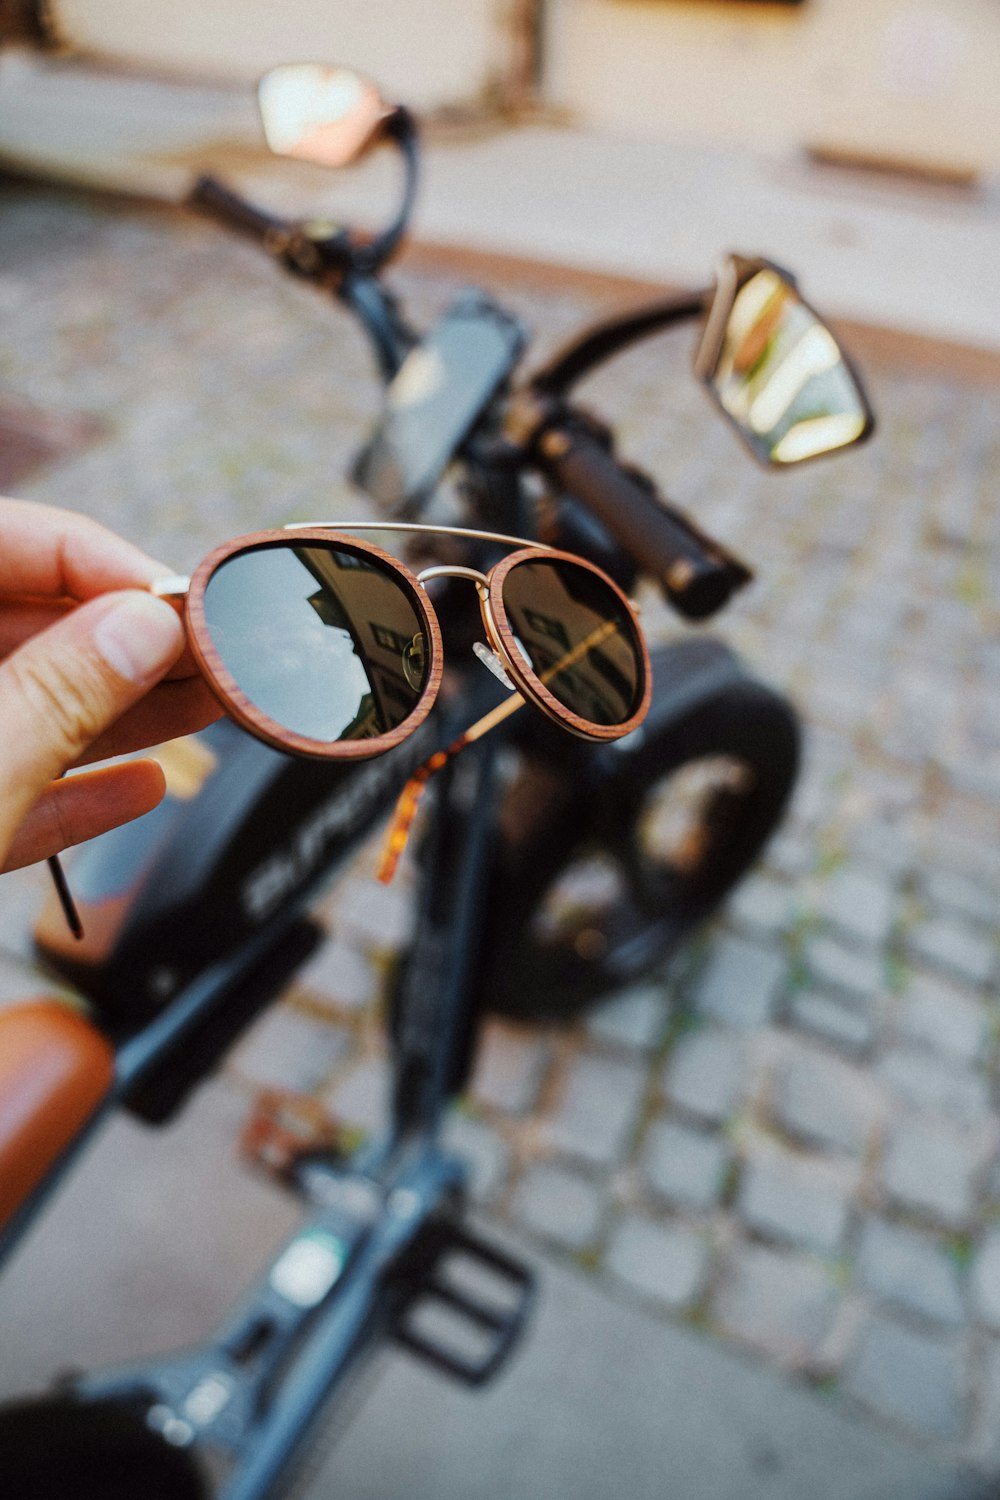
(55, 1069)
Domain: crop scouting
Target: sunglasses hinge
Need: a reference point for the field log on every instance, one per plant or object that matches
(175, 586)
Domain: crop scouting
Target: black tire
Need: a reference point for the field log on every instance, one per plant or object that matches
(58, 1448)
(587, 894)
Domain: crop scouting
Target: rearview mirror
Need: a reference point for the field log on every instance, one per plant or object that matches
(775, 369)
(329, 116)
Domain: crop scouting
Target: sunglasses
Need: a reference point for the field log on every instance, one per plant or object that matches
(326, 646)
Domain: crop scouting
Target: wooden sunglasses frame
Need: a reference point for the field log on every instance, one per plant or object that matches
(243, 710)
(490, 588)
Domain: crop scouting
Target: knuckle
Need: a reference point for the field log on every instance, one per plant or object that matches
(61, 700)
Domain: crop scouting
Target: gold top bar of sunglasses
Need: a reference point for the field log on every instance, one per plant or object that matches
(178, 584)
(421, 527)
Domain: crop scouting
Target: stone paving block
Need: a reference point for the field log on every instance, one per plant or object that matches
(791, 854)
(933, 1170)
(340, 975)
(917, 1379)
(985, 1281)
(937, 1014)
(634, 1019)
(842, 700)
(802, 1200)
(984, 1443)
(812, 799)
(950, 891)
(826, 1102)
(908, 737)
(361, 1097)
(911, 1270)
(963, 850)
(986, 718)
(827, 1016)
(926, 1082)
(288, 1049)
(762, 906)
(599, 1109)
(510, 1065)
(780, 1303)
(686, 1167)
(955, 947)
(860, 903)
(846, 970)
(977, 778)
(560, 1205)
(485, 1152)
(741, 983)
(705, 1074)
(880, 796)
(885, 845)
(666, 1262)
(992, 1189)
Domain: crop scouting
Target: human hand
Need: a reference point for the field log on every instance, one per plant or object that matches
(84, 652)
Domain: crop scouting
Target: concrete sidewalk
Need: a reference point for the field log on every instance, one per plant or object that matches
(600, 1400)
(922, 259)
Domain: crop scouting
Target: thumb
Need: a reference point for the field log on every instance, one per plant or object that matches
(69, 683)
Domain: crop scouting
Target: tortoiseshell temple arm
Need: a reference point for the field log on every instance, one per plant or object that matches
(398, 835)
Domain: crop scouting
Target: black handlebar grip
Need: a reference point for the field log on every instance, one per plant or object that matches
(697, 576)
(222, 203)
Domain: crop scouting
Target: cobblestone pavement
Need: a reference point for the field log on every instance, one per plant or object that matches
(792, 1138)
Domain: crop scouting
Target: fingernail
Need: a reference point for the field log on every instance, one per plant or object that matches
(140, 637)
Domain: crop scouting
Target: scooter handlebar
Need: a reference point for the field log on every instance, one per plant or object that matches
(213, 197)
(697, 575)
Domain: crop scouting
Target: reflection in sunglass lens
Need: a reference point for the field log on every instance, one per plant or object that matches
(322, 639)
(577, 637)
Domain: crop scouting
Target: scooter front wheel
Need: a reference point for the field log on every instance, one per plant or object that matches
(629, 853)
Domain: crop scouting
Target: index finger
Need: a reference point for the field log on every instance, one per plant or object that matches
(56, 554)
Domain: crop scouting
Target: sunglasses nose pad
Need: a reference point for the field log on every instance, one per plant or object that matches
(491, 661)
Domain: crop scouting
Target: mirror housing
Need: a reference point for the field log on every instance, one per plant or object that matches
(775, 370)
(329, 116)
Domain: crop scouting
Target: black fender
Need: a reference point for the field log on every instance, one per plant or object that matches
(705, 704)
(243, 836)
(564, 783)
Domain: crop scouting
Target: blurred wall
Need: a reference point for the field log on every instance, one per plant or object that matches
(425, 52)
(913, 78)
(908, 78)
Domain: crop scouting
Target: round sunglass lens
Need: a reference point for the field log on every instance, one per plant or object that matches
(324, 640)
(578, 638)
